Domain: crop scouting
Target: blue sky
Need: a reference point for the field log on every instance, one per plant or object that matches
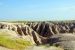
(37, 10)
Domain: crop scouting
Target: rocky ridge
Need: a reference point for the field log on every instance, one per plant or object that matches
(43, 32)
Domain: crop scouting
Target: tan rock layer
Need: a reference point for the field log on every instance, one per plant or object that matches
(46, 29)
(40, 31)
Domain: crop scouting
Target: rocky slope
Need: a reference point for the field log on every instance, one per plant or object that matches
(47, 29)
(42, 32)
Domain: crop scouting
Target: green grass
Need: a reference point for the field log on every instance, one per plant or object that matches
(13, 43)
(18, 44)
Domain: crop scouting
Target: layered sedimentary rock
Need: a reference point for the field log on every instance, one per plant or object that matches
(43, 29)
(47, 29)
(39, 31)
(22, 31)
(26, 30)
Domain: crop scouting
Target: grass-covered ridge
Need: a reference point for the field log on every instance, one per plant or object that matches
(13, 43)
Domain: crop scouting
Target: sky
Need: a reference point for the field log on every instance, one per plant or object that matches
(37, 10)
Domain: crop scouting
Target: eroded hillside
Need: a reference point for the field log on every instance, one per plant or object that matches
(55, 34)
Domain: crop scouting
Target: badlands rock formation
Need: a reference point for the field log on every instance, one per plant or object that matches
(39, 31)
(22, 31)
(46, 29)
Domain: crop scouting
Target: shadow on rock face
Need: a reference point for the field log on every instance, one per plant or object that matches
(66, 41)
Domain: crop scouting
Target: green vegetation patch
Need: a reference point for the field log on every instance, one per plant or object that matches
(18, 44)
(14, 43)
